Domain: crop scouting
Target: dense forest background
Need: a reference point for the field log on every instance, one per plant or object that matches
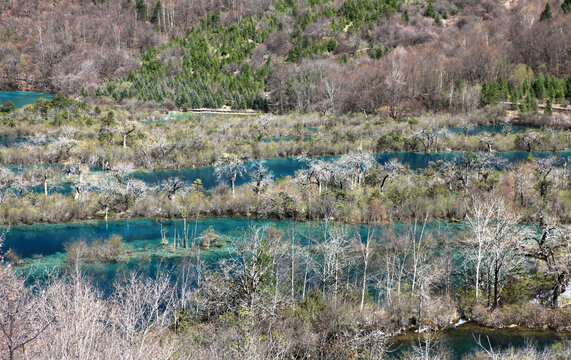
(346, 55)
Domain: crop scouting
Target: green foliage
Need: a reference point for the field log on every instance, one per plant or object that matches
(141, 9)
(566, 6)
(546, 14)
(406, 16)
(361, 12)
(532, 88)
(108, 120)
(84, 92)
(331, 45)
(209, 77)
(7, 107)
(377, 52)
(548, 107)
(490, 93)
(429, 11)
(155, 15)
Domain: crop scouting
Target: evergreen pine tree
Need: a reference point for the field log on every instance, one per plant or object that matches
(532, 103)
(429, 12)
(406, 16)
(546, 14)
(566, 6)
(156, 14)
(108, 120)
(539, 87)
(141, 8)
(548, 107)
(567, 87)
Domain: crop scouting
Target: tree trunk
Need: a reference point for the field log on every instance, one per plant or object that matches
(496, 286)
(478, 264)
(364, 285)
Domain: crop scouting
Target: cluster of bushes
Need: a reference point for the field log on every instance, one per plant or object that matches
(528, 314)
(107, 251)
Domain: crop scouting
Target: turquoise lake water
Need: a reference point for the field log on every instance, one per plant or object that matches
(461, 340)
(13, 141)
(41, 245)
(282, 167)
(495, 129)
(22, 98)
(31, 240)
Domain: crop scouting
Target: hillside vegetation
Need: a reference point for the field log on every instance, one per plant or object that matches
(349, 56)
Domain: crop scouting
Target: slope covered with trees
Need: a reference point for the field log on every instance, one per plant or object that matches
(350, 56)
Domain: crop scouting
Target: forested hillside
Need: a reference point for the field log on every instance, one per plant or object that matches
(349, 56)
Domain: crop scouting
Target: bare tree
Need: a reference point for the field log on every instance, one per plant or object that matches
(121, 171)
(367, 250)
(6, 182)
(505, 239)
(480, 217)
(44, 175)
(20, 322)
(172, 186)
(108, 189)
(127, 128)
(395, 82)
(262, 176)
(552, 247)
(229, 167)
(254, 266)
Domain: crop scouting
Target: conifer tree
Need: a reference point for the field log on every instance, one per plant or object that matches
(546, 14)
(548, 107)
(566, 6)
(406, 16)
(429, 12)
(141, 8)
(156, 14)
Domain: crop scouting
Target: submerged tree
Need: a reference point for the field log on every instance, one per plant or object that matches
(228, 167)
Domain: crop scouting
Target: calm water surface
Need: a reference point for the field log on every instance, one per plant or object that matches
(282, 167)
(22, 98)
(462, 340)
